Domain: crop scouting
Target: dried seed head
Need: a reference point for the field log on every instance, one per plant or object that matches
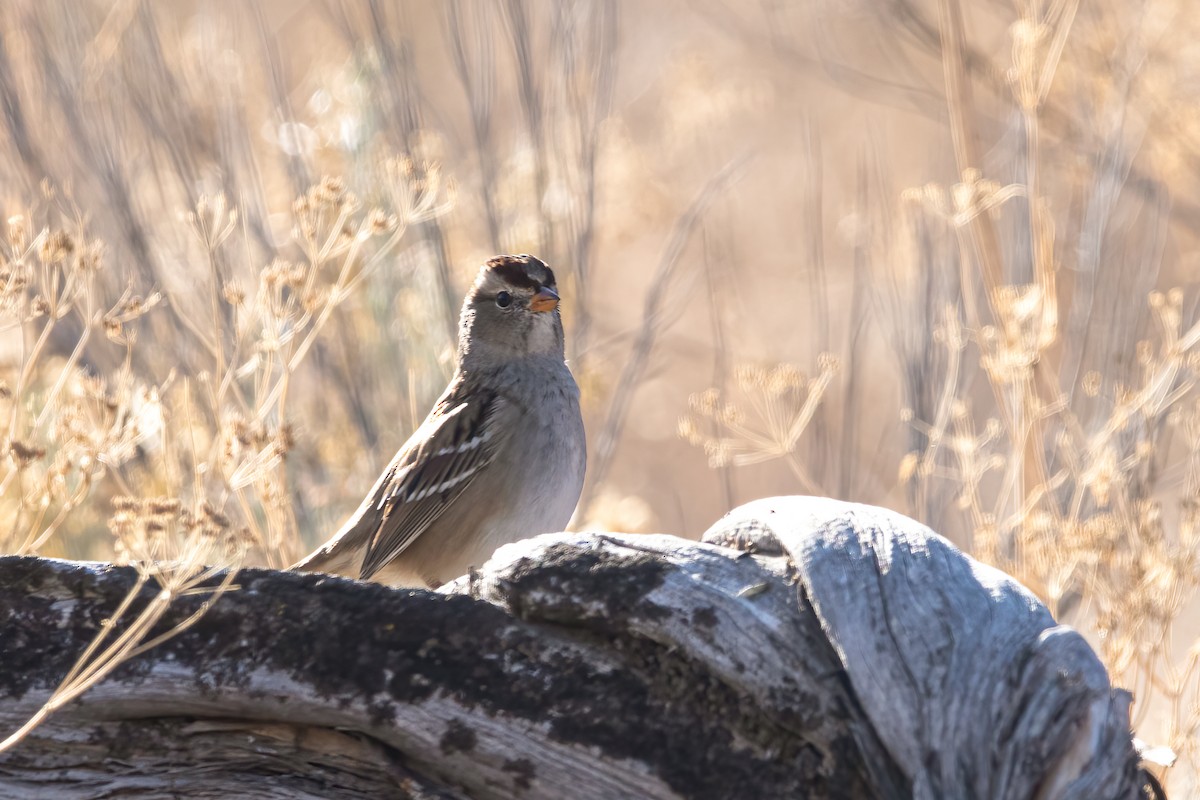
(282, 274)
(782, 379)
(330, 192)
(1102, 475)
(730, 415)
(162, 505)
(234, 294)
(126, 503)
(90, 257)
(750, 377)
(689, 431)
(56, 247)
(1145, 352)
(18, 232)
(705, 402)
(828, 362)
(285, 439)
(14, 278)
(213, 517)
(718, 453)
(25, 454)
(379, 222)
(314, 300)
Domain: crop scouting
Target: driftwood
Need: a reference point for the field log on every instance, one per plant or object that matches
(807, 648)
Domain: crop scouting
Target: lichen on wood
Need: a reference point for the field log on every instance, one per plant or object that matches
(806, 648)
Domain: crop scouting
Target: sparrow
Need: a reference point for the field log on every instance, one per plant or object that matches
(500, 457)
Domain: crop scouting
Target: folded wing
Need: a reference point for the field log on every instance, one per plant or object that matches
(424, 481)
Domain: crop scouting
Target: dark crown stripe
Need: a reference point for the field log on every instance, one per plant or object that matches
(514, 270)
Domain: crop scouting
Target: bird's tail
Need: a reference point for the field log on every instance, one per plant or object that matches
(324, 559)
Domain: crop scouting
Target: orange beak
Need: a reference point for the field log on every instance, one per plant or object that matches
(546, 299)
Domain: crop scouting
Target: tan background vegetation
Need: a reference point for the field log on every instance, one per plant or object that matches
(934, 255)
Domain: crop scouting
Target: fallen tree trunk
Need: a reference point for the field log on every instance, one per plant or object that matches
(806, 648)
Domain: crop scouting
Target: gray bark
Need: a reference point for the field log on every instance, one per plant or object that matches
(806, 648)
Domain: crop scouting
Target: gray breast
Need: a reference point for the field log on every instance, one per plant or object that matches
(545, 465)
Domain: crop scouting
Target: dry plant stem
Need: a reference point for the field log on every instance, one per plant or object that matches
(197, 478)
(178, 577)
(68, 368)
(278, 394)
(1030, 99)
(346, 281)
(1024, 429)
(476, 78)
(190, 326)
(519, 31)
(60, 305)
(953, 339)
(802, 420)
(802, 475)
(95, 664)
(854, 358)
(23, 380)
(249, 516)
(67, 688)
(15, 420)
(714, 255)
(35, 540)
(217, 322)
(643, 344)
(595, 35)
(909, 18)
(244, 503)
(961, 106)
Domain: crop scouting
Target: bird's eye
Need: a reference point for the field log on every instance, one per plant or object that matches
(504, 299)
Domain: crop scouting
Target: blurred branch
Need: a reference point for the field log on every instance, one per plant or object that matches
(857, 364)
(590, 58)
(394, 74)
(718, 260)
(475, 65)
(297, 168)
(820, 329)
(961, 105)
(882, 90)
(29, 160)
(651, 327)
(530, 92)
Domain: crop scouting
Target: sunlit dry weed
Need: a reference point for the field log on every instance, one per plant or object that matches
(1054, 404)
(781, 402)
(217, 440)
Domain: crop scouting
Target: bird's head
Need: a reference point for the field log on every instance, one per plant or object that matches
(511, 312)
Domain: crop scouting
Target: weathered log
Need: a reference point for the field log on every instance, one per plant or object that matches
(806, 648)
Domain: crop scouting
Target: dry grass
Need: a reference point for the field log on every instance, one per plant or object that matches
(972, 223)
(215, 441)
(1055, 435)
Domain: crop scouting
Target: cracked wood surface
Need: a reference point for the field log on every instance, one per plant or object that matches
(806, 648)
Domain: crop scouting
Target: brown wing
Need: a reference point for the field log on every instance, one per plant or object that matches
(427, 479)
